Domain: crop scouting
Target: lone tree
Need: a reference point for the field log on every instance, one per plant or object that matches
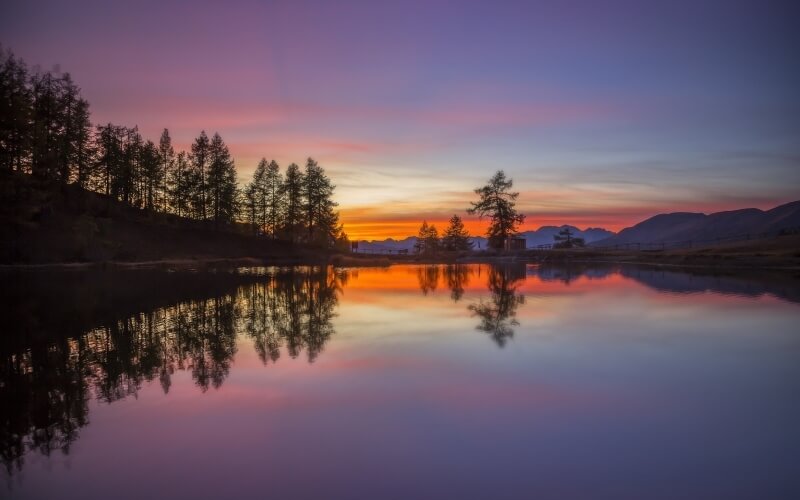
(565, 239)
(456, 237)
(497, 202)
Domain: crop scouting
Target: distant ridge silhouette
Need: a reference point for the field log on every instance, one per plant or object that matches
(685, 226)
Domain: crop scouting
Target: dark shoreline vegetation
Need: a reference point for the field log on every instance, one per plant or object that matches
(71, 192)
(80, 336)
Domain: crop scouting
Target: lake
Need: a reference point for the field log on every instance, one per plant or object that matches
(439, 381)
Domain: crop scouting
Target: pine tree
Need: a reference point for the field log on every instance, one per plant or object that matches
(151, 174)
(274, 199)
(318, 210)
(456, 237)
(108, 143)
(261, 193)
(198, 192)
(497, 202)
(221, 182)
(293, 194)
(180, 185)
(250, 205)
(16, 112)
(82, 157)
(166, 155)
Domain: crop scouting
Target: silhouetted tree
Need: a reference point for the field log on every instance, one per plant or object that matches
(497, 202)
(16, 109)
(166, 155)
(427, 239)
(108, 143)
(221, 182)
(150, 162)
(250, 205)
(456, 237)
(565, 239)
(273, 199)
(200, 159)
(293, 193)
(82, 152)
(180, 185)
(318, 206)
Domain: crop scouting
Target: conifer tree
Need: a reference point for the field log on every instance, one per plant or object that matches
(293, 193)
(497, 202)
(456, 237)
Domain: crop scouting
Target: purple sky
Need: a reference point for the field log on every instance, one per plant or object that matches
(603, 112)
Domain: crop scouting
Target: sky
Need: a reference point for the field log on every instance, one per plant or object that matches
(603, 113)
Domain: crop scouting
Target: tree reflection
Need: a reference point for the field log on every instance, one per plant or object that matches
(498, 314)
(428, 277)
(457, 277)
(47, 380)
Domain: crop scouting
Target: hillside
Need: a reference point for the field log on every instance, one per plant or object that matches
(686, 226)
(48, 224)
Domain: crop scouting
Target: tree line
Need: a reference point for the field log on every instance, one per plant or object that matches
(46, 131)
(496, 201)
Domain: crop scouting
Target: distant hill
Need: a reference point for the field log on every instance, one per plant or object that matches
(684, 226)
(542, 236)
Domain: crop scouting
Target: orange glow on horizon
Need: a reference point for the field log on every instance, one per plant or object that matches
(360, 229)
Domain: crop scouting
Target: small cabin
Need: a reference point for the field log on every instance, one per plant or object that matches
(512, 243)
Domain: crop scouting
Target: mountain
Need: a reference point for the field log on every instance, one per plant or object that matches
(542, 236)
(545, 235)
(685, 226)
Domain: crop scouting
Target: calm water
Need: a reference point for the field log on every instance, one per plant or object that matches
(436, 382)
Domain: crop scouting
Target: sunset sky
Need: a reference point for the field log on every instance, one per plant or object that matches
(603, 113)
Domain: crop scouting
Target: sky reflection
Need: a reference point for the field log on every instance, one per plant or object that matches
(604, 382)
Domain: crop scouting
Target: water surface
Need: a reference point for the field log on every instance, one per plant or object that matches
(460, 381)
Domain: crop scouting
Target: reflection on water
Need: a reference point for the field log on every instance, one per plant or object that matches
(498, 314)
(74, 340)
(46, 384)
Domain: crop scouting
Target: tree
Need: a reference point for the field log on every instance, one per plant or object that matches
(565, 239)
(108, 143)
(497, 202)
(151, 174)
(200, 153)
(221, 182)
(128, 178)
(180, 185)
(16, 109)
(456, 237)
(293, 193)
(273, 199)
(82, 154)
(250, 205)
(260, 193)
(427, 239)
(46, 126)
(166, 155)
(320, 219)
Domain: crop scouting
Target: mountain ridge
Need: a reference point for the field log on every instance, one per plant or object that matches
(696, 226)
